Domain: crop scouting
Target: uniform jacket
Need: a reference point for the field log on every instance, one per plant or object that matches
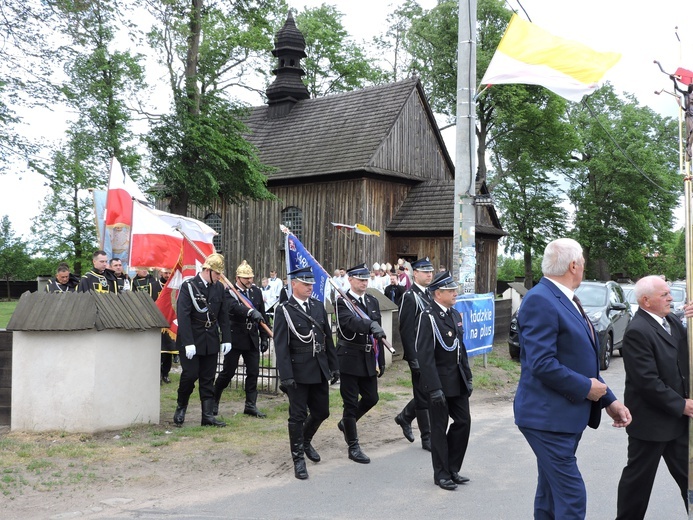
(98, 282)
(442, 369)
(558, 356)
(191, 323)
(409, 312)
(71, 285)
(148, 284)
(354, 347)
(295, 358)
(122, 281)
(245, 333)
(394, 293)
(657, 374)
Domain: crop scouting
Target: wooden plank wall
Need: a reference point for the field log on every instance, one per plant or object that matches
(412, 146)
(251, 231)
(437, 249)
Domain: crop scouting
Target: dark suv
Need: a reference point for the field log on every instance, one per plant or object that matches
(607, 308)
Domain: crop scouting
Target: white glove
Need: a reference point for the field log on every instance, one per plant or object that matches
(189, 351)
(225, 348)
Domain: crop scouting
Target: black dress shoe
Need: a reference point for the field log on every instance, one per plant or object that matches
(166, 379)
(458, 479)
(446, 484)
(406, 428)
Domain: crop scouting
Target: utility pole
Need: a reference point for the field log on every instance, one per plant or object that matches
(464, 256)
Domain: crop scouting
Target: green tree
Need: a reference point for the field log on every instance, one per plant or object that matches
(530, 144)
(198, 149)
(334, 62)
(13, 254)
(614, 221)
(65, 226)
(99, 81)
(391, 45)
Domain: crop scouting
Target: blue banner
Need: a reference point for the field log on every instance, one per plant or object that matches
(478, 314)
(298, 256)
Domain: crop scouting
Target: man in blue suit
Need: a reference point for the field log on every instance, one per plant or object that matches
(560, 391)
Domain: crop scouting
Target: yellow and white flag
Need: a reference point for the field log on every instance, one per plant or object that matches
(528, 54)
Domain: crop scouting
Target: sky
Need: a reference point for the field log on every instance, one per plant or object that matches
(642, 31)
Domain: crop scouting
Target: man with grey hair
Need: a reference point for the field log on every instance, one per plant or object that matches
(560, 391)
(655, 356)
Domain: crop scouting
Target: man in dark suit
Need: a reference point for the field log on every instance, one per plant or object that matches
(446, 380)
(247, 338)
(394, 292)
(655, 355)
(64, 280)
(202, 316)
(414, 301)
(307, 361)
(100, 279)
(361, 358)
(560, 391)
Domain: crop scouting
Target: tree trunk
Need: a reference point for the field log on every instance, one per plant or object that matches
(529, 280)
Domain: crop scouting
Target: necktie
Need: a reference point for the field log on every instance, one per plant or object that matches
(666, 325)
(582, 311)
(361, 301)
(305, 306)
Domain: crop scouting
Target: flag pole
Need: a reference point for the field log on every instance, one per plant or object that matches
(225, 280)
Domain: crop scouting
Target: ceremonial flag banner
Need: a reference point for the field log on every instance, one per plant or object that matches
(298, 256)
(530, 55)
(118, 215)
(357, 228)
(156, 241)
(188, 265)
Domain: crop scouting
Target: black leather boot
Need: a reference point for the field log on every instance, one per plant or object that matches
(424, 428)
(355, 452)
(296, 441)
(406, 426)
(208, 418)
(250, 407)
(179, 414)
(309, 428)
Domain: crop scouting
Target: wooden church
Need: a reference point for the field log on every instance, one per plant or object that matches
(373, 156)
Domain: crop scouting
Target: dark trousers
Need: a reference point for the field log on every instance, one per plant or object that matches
(167, 344)
(561, 491)
(315, 397)
(420, 401)
(449, 445)
(251, 358)
(351, 387)
(200, 368)
(166, 362)
(638, 476)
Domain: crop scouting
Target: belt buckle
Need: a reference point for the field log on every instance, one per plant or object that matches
(208, 324)
(249, 325)
(369, 347)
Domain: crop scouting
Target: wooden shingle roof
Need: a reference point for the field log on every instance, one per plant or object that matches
(428, 207)
(84, 311)
(335, 134)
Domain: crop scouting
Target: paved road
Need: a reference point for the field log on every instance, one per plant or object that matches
(398, 484)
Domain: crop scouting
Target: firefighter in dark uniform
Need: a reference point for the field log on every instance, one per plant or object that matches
(99, 279)
(247, 337)
(447, 380)
(64, 280)
(307, 361)
(202, 316)
(414, 301)
(145, 282)
(361, 357)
